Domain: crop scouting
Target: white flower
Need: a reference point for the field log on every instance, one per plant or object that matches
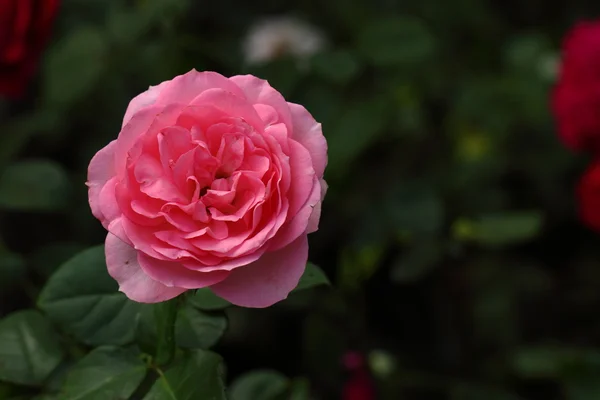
(275, 37)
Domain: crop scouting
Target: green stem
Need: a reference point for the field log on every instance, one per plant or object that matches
(165, 314)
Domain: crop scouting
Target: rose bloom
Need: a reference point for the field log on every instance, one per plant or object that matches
(588, 196)
(576, 96)
(24, 30)
(212, 182)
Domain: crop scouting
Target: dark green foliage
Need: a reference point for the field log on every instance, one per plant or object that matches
(449, 233)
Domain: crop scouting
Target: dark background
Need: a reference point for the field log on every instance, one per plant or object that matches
(449, 232)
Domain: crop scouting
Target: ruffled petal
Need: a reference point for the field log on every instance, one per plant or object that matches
(173, 274)
(121, 260)
(298, 225)
(268, 280)
(309, 134)
(184, 88)
(258, 91)
(143, 100)
(315, 216)
(100, 171)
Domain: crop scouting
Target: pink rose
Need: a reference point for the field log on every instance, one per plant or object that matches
(212, 182)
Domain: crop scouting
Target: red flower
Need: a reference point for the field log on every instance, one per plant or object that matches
(588, 192)
(576, 96)
(24, 30)
(359, 385)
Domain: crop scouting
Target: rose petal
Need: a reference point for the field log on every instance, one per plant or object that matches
(100, 170)
(267, 113)
(144, 122)
(315, 216)
(267, 280)
(143, 100)
(298, 225)
(258, 91)
(231, 104)
(184, 88)
(108, 203)
(173, 274)
(121, 260)
(302, 176)
(309, 134)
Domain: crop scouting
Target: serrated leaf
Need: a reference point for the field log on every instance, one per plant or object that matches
(198, 375)
(195, 329)
(84, 300)
(34, 185)
(29, 348)
(259, 385)
(105, 373)
(312, 276)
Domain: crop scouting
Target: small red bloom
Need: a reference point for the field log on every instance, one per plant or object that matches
(24, 30)
(359, 385)
(576, 96)
(588, 192)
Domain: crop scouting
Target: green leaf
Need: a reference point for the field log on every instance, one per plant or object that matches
(29, 348)
(339, 66)
(259, 385)
(74, 66)
(46, 259)
(396, 41)
(17, 133)
(105, 373)
(300, 389)
(198, 375)
(205, 299)
(162, 10)
(506, 228)
(413, 208)
(165, 315)
(579, 375)
(312, 276)
(542, 361)
(125, 26)
(83, 299)
(34, 185)
(417, 262)
(145, 333)
(525, 52)
(359, 126)
(13, 271)
(198, 330)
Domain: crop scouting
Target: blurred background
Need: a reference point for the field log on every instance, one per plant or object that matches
(460, 269)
